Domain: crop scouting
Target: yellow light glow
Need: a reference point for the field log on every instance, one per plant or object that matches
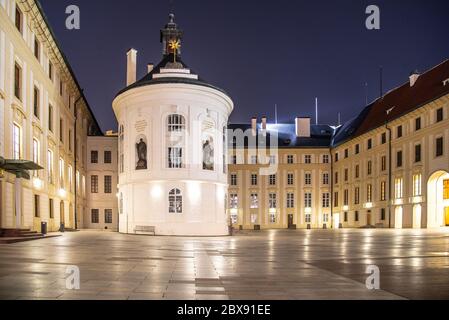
(37, 183)
(156, 192)
(62, 193)
(233, 212)
(273, 211)
(416, 200)
(308, 210)
(368, 205)
(346, 208)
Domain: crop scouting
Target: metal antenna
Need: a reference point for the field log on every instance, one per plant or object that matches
(316, 111)
(276, 113)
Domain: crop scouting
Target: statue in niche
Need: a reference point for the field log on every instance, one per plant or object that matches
(141, 148)
(208, 154)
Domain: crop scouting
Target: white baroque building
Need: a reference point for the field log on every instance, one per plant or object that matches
(172, 148)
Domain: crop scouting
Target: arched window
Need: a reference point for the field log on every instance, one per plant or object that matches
(175, 201)
(176, 123)
(176, 126)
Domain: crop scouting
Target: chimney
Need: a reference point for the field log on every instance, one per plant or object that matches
(254, 126)
(150, 67)
(131, 70)
(414, 77)
(303, 127)
(264, 123)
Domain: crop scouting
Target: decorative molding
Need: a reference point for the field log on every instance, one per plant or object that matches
(2, 94)
(18, 111)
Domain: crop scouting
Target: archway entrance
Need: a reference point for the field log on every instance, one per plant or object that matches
(438, 200)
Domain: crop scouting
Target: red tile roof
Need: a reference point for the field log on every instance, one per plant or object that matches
(406, 99)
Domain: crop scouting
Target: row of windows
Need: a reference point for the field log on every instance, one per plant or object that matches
(107, 157)
(37, 51)
(326, 197)
(273, 179)
(94, 185)
(290, 159)
(273, 217)
(95, 216)
(51, 207)
(439, 117)
(37, 108)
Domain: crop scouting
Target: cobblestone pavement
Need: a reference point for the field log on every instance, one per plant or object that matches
(265, 265)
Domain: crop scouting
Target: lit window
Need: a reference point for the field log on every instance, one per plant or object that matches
(290, 200)
(417, 185)
(308, 200)
(369, 193)
(398, 188)
(233, 201)
(70, 177)
(272, 201)
(254, 201)
(383, 191)
(175, 201)
(17, 142)
(61, 173)
(326, 200)
(50, 166)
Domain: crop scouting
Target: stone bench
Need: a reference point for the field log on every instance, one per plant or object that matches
(145, 230)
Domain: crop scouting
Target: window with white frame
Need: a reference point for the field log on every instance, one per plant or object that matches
(176, 123)
(308, 159)
(383, 191)
(254, 179)
(290, 159)
(326, 218)
(308, 179)
(290, 200)
(325, 158)
(325, 178)
(175, 160)
(417, 185)
(272, 201)
(308, 218)
(233, 201)
(234, 180)
(272, 180)
(17, 142)
(326, 200)
(254, 201)
(175, 201)
(273, 160)
(176, 127)
(308, 200)
(398, 187)
(290, 179)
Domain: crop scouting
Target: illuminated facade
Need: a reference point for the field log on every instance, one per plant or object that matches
(40, 100)
(388, 167)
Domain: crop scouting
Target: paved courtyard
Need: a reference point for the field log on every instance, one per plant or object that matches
(283, 264)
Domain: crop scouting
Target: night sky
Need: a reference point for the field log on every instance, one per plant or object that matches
(262, 53)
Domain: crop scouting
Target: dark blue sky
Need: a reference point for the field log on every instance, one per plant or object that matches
(262, 53)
